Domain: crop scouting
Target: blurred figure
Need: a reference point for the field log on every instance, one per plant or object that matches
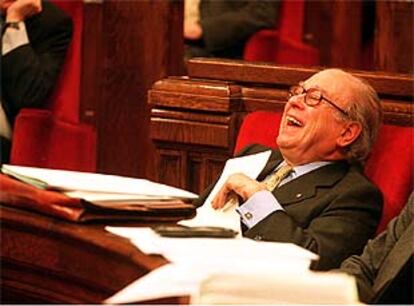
(220, 28)
(35, 38)
(385, 270)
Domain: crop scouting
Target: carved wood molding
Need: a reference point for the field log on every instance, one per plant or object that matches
(253, 72)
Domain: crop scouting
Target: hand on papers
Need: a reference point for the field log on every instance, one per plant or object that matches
(236, 184)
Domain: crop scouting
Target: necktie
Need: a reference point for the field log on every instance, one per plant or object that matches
(273, 180)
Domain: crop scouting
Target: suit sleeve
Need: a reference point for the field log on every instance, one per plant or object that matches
(365, 267)
(31, 71)
(234, 27)
(337, 231)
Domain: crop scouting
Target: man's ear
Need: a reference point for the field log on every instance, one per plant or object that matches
(349, 134)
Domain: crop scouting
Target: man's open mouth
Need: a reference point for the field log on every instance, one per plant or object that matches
(291, 121)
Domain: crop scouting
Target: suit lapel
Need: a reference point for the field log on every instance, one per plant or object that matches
(305, 186)
(400, 253)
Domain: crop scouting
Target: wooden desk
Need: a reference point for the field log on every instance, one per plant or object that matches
(46, 260)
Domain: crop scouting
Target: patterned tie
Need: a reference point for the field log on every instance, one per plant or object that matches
(273, 180)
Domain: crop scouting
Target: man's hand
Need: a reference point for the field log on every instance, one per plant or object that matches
(19, 10)
(192, 31)
(239, 184)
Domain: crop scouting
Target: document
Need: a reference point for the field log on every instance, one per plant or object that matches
(213, 249)
(268, 288)
(195, 260)
(99, 197)
(251, 166)
(95, 186)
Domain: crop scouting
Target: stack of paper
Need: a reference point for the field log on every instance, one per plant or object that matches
(95, 187)
(195, 260)
(82, 196)
(267, 288)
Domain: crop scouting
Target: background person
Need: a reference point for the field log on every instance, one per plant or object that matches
(220, 28)
(385, 270)
(35, 38)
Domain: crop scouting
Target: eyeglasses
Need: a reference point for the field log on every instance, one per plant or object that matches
(313, 96)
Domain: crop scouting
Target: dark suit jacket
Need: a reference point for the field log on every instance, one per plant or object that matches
(228, 24)
(30, 72)
(384, 259)
(331, 211)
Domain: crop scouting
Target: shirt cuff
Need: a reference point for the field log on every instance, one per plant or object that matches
(258, 207)
(13, 38)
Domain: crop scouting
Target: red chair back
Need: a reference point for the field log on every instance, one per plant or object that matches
(390, 166)
(65, 101)
(283, 45)
(54, 137)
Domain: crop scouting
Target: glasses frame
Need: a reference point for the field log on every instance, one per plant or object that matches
(321, 97)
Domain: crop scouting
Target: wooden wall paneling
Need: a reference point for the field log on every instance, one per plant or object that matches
(346, 41)
(268, 75)
(169, 166)
(91, 62)
(193, 116)
(142, 42)
(394, 36)
(317, 29)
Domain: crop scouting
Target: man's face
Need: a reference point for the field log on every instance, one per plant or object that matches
(311, 133)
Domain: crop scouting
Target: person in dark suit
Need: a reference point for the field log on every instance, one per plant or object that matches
(221, 27)
(325, 204)
(384, 271)
(35, 37)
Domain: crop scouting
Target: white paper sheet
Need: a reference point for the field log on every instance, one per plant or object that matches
(267, 288)
(93, 182)
(167, 281)
(195, 259)
(182, 279)
(212, 249)
(251, 166)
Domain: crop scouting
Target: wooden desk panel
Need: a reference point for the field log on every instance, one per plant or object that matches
(46, 260)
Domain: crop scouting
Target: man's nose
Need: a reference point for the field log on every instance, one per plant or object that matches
(297, 101)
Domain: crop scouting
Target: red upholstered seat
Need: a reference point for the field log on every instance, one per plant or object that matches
(53, 137)
(283, 45)
(390, 166)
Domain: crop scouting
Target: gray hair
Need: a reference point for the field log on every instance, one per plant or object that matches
(364, 107)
